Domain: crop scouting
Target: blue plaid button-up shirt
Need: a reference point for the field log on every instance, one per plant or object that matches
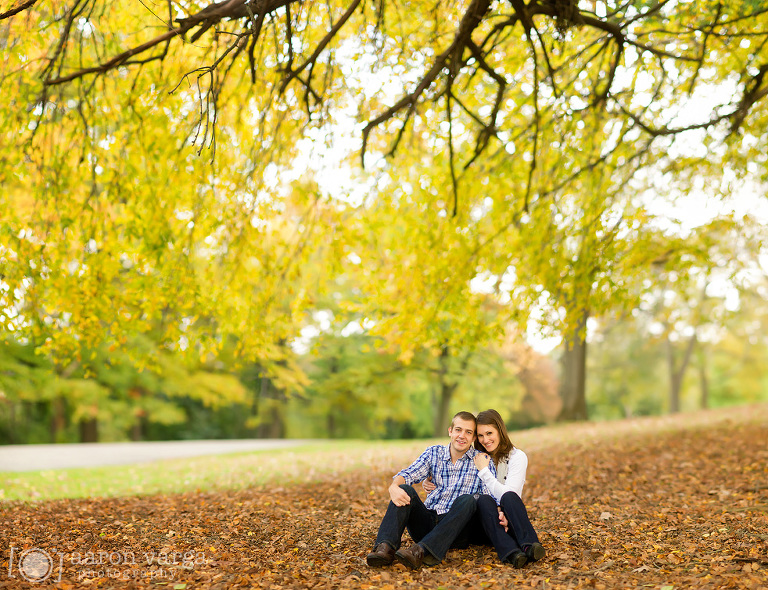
(452, 480)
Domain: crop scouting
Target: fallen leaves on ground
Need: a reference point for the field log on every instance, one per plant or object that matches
(680, 509)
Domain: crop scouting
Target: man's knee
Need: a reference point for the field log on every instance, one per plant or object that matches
(409, 490)
(465, 502)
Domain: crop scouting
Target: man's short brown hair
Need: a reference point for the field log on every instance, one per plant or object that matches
(468, 416)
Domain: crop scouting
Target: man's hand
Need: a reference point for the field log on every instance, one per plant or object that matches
(398, 495)
(503, 519)
(482, 461)
(428, 485)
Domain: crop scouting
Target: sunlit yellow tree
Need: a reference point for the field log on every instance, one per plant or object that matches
(148, 157)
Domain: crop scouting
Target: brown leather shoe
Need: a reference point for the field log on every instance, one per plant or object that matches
(413, 557)
(517, 559)
(535, 552)
(383, 554)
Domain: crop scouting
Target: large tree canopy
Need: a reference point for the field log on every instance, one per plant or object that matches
(151, 159)
(480, 63)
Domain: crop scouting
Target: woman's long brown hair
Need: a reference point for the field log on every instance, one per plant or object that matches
(493, 418)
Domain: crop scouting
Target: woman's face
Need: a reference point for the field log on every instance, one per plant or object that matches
(488, 436)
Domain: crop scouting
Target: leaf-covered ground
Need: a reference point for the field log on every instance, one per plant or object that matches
(672, 507)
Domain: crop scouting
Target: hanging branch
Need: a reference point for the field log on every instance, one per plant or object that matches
(291, 74)
(487, 130)
(204, 20)
(454, 182)
(120, 59)
(536, 120)
(469, 22)
(20, 8)
(499, 35)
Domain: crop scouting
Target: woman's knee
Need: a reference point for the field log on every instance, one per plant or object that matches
(486, 503)
(511, 499)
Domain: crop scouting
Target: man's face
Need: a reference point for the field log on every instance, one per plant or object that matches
(462, 434)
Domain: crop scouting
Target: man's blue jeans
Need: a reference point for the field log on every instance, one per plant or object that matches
(434, 532)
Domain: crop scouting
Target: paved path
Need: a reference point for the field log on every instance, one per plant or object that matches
(39, 457)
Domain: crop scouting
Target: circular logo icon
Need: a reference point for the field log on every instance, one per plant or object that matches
(35, 565)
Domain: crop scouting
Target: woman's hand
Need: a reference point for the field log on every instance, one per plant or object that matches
(503, 520)
(428, 485)
(482, 461)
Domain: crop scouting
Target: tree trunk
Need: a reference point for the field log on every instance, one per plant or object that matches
(271, 424)
(139, 428)
(89, 430)
(444, 396)
(677, 374)
(442, 421)
(674, 380)
(12, 423)
(703, 380)
(59, 418)
(330, 420)
(573, 384)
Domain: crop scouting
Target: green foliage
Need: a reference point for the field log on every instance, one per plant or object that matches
(629, 362)
(358, 390)
(23, 374)
(121, 396)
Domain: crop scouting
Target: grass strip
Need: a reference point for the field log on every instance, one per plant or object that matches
(324, 460)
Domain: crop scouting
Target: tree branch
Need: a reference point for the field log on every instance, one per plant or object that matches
(454, 182)
(205, 19)
(20, 8)
(469, 22)
(120, 59)
(291, 74)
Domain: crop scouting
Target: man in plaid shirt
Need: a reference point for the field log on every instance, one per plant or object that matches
(438, 522)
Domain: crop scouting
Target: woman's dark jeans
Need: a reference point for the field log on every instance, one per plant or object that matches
(520, 531)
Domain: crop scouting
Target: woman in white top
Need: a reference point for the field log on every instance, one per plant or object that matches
(503, 515)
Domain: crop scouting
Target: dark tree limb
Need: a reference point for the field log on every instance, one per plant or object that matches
(469, 22)
(204, 20)
(755, 92)
(291, 74)
(703, 50)
(536, 120)
(451, 157)
(17, 9)
(118, 60)
(487, 130)
(452, 66)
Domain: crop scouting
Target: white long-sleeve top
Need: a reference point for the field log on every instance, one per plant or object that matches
(510, 475)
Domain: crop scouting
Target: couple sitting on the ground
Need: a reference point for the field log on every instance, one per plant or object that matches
(474, 497)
